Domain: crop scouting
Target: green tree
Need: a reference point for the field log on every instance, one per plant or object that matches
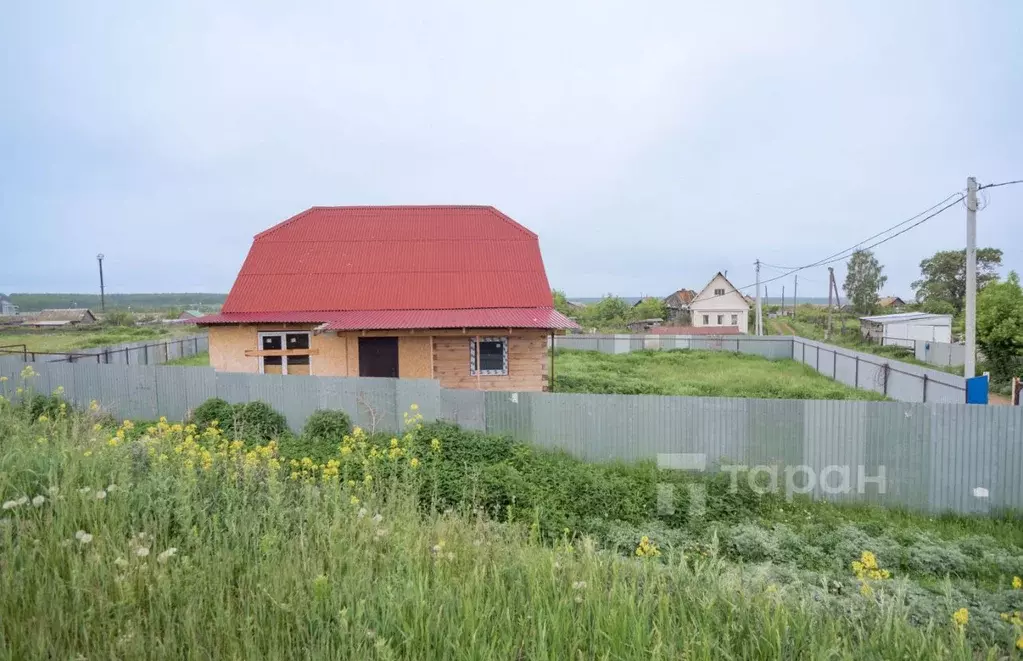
(649, 308)
(943, 276)
(610, 312)
(1000, 326)
(863, 281)
(560, 302)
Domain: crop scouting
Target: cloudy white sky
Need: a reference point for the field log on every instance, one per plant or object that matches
(648, 144)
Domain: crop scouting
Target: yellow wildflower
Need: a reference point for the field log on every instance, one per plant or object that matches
(43, 418)
(414, 462)
(1019, 643)
(646, 548)
(1017, 582)
(2, 379)
(354, 500)
(414, 407)
(961, 617)
(435, 445)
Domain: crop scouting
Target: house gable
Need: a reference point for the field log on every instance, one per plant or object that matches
(730, 300)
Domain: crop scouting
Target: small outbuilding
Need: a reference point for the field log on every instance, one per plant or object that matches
(57, 318)
(905, 328)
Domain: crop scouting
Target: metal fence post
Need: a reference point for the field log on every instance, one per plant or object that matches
(856, 379)
(834, 364)
(925, 389)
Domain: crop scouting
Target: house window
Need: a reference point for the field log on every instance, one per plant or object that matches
(735, 320)
(719, 292)
(493, 356)
(289, 364)
(706, 320)
(721, 320)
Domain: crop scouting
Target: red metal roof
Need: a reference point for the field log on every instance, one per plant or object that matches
(547, 318)
(402, 259)
(694, 330)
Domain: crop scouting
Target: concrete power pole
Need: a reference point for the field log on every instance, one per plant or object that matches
(970, 368)
(781, 310)
(759, 321)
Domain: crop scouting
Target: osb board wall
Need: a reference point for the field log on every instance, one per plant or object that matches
(527, 362)
(227, 348)
(332, 359)
(414, 357)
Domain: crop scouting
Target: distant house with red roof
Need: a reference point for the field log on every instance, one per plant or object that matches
(455, 293)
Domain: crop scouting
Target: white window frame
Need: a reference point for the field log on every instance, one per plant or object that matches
(735, 320)
(284, 359)
(472, 357)
(721, 320)
(719, 292)
(706, 320)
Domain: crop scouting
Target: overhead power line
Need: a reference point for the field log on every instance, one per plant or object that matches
(927, 214)
(1004, 183)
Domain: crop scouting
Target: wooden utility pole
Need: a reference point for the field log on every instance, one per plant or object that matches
(831, 285)
(795, 295)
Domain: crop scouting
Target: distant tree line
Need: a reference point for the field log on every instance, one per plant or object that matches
(137, 302)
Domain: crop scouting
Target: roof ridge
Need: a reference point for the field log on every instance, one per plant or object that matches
(483, 207)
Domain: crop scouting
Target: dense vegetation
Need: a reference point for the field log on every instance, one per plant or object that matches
(695, 373)
(160, 540)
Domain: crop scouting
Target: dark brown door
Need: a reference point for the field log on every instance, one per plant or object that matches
(378, 356)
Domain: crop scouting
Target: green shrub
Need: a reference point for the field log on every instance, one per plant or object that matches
(320, 438)
(257, 422)
(213, 409)
(253, 422)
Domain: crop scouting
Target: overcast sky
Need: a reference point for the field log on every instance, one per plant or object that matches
(648, 144)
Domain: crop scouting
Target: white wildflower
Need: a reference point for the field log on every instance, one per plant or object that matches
(377, 518)
(578, 599)
(83, 537)
(579, 585)
(10, 504)
(85, 490)
(38, 501)
(166, 555)
(101, 494)
(142, 551)
(362, 512)
(53, 491)
(111, 488)
(121, 562)
(22, 501)
(436, 548)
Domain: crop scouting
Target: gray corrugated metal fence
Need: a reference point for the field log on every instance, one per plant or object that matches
(934, 456)
(940, 353)
(897, 380)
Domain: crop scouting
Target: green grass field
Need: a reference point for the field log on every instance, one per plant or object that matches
(58, 341)
(196, 360)
(695, 373)
(154, 540)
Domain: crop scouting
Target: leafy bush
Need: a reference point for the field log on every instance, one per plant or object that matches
(253, 422)
(257, 422)
(213, 410)
(328, 424)
(119, 318)
(320, 438)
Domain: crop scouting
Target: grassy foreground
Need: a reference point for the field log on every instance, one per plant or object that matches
(695, 373)
(168, 541)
